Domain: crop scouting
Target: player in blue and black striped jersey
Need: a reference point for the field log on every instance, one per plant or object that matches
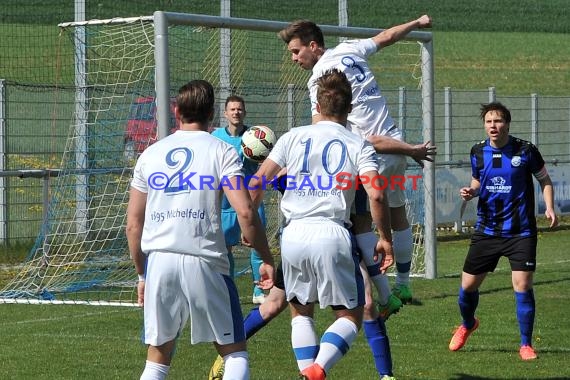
(506, 202)
(502, 170)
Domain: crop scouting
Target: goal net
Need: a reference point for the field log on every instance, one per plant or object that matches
(125, 76)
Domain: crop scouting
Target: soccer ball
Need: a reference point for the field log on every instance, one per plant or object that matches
(257, 142)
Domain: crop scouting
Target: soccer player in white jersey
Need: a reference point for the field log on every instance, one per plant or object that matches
(176, 241)
(323, 162)
(369, 119)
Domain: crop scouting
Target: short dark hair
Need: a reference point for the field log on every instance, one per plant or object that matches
(305, 30)
(195, 102)
(498, 107)
(334, 93)
(234, 98)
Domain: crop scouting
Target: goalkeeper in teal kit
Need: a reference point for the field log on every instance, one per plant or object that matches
(234, 113)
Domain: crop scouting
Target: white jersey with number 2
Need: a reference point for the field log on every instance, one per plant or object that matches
(183, 194)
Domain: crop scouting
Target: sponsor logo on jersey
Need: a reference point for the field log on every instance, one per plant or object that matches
(498, 185)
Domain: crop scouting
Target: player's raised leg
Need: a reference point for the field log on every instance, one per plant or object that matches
(275, 303)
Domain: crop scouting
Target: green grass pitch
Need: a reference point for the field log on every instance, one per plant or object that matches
(89, 342)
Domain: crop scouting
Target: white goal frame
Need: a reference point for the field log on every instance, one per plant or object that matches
(162, 20)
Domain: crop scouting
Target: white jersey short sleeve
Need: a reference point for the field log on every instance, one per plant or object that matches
(183, 175)
(369, 114)
(322, 163)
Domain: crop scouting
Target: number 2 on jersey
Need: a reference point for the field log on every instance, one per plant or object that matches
(178, 158)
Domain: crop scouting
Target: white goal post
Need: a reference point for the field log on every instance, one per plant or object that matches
(163, 20)
(127, 71)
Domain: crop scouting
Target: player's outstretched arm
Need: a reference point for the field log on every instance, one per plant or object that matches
(419, 153)
(394, 34)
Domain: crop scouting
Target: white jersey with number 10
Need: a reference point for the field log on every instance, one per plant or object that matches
(316, 157)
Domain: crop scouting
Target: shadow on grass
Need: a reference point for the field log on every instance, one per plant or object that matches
(536, 283)
(498, 289)
(415, 302)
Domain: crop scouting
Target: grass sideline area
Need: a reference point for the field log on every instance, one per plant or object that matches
(88, 342)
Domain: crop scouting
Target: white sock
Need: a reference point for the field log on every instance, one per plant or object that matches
(154, 371)
(366, 243)
(403, 250)
(304, 341)
(236, 366)
(335, 342)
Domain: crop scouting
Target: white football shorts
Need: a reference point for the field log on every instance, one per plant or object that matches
(319, 264)
(393, 168)
(179, 287)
